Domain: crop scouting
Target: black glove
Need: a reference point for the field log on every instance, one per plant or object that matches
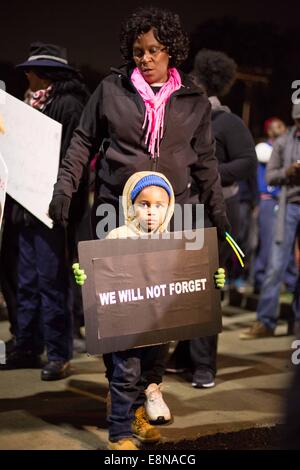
(59, 209)
(222, 224)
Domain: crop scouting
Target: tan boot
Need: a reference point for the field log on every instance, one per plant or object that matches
(123, 444)
(142, 429)
(257, 330)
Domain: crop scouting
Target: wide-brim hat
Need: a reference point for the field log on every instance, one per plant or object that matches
(46, 55)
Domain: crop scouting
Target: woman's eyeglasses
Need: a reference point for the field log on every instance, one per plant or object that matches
(153, 52)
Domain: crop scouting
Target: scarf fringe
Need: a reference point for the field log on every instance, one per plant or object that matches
(155, 106)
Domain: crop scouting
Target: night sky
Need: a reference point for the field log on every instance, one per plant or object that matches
(90, 29)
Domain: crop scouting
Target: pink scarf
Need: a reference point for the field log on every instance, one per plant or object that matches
(155, 106)
(39, 99)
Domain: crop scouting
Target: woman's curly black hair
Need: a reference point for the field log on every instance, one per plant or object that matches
(167, 29)
(215, 71)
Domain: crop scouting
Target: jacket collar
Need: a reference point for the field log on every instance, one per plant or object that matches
(187, 88)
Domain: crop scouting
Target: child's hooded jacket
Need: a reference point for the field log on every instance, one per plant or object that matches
(131, 229)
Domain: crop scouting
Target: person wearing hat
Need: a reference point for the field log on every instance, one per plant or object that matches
(148, 204)
(146, 115)
(274, 127)
(283, 170)
(43, 314)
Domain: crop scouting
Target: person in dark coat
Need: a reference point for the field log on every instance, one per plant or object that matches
(145, 116)
(43, 310)
(8, 268)
(113, 121)
(215, 72)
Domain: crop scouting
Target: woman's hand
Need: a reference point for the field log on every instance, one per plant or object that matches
(79, 274)
(59, 209)
(220, 278)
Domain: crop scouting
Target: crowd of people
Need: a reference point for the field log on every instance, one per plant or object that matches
(148, 118)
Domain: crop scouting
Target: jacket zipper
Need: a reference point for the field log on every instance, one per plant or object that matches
(139, 101)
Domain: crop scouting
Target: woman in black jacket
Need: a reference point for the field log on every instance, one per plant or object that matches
(43, 313)
(113, 122)
(145, 115)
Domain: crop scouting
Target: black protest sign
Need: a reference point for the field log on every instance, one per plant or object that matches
(140, 292)
(151, 291)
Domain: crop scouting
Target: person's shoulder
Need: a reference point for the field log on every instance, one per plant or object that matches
(69, 102)
(117, 74)
(196, 95)
(189, 85)
(63, 107)
(113, 82)
(281, 141)
(113, 234)
(119, 232)
(227, 116)
(110, 77)
(232, 121)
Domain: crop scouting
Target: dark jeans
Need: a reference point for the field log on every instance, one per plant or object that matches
(127, 383)
(9, 270)
(43, 292)
(268, 305)
(202, 352)
(266, 227)
(197, 353)
(154, 363)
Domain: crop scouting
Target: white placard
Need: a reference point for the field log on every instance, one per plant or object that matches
(3, 186)
(30, 145)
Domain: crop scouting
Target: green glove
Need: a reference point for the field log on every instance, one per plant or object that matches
(220, 278)
(79, 274)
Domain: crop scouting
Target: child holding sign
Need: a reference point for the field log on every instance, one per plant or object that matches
(148, 203)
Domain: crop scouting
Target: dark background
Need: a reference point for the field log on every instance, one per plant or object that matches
(262, 37)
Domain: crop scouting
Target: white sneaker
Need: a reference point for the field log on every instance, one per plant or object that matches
(156, 408)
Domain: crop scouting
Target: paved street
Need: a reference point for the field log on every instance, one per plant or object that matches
(70, 414)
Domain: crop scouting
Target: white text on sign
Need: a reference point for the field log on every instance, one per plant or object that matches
(152, 292)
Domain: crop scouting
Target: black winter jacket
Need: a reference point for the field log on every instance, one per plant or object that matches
(67, 109)
(112, 122)
(235, 148)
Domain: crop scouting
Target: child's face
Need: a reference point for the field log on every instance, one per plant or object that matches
(150, 207)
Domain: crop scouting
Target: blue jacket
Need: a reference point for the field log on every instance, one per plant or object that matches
(263, 187)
